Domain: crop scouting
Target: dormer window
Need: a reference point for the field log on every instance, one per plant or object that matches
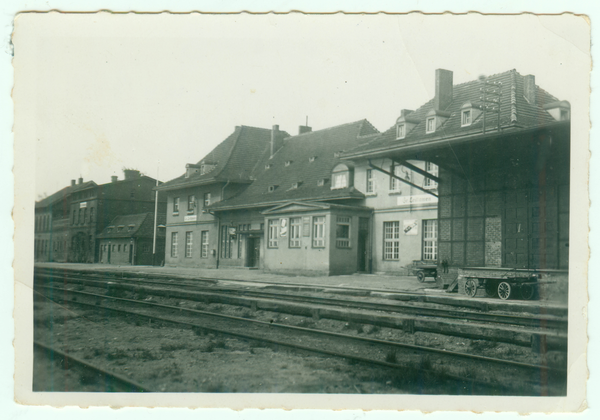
(130, 228)
(120, 228)
(465, 118)
(268, 166)
(430, 125)
(400, 131)
(288, 163)
(560, 110)
(468, 114)
(272, 188)
(338, 154)
(322, 182)
(342, 176)
(311, 159)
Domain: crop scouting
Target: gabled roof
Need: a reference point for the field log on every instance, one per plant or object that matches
(324, 146)
(516, 113)
(300, 206)
(235, 159)
(142, 225)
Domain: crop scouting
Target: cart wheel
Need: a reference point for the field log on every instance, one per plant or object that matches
(527, 291)
(491, 288)
(504, 290)
(470, 288)
(421, 276)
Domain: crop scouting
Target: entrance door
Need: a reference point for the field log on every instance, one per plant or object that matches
(363, 244)
(253, 250)
(516, 230)
(131, 254)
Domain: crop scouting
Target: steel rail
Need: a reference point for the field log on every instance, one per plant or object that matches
(310, 330)
(119, 379)
(422, 311)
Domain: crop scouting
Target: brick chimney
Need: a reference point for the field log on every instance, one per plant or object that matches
(114, 178)
(80, 181)
(529, 88)
(72, 183)
(443, 89)
(131, 174)
(304, 129)
(276, 140)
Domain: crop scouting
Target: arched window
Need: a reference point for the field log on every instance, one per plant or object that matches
(342, 176)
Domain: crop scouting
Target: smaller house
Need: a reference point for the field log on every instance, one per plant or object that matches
(128, 240)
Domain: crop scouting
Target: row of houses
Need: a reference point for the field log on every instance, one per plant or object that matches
(81, 222)
(476, 177)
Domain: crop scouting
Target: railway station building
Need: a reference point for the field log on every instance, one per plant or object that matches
(301, 209)
(501, 147)
(51, 229)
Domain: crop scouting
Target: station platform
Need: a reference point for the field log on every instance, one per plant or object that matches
(379, 284)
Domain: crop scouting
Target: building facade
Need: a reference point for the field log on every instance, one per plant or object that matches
(68, 223)
(501, 145)
(129, 240)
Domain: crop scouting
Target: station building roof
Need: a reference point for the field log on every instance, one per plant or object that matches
(302, 169)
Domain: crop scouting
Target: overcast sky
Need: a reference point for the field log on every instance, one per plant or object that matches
(139, 91)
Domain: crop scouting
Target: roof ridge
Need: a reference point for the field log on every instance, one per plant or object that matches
(328, 129)
(230, 152)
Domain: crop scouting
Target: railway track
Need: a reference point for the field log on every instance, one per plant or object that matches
(456, 365)
(546, 322)
(102, 378)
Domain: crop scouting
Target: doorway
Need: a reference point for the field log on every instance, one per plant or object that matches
(363, 244)
(253, 252)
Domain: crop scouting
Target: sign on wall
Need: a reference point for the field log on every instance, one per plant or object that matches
(284, 228)
(407, 200)
(411, 227)
(83, 205)
(190, 218)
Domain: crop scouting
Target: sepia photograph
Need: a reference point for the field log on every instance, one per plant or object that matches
(337, 205)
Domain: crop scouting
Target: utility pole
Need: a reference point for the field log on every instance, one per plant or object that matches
(155, 219)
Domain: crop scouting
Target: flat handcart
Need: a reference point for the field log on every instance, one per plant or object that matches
(425, 269)
(504, 287)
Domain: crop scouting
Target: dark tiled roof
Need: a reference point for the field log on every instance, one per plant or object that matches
(143, 226)
(515, 113)
(57, 196)
(324, 146)
(236, 158)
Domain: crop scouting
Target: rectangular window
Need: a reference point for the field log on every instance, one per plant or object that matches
(370, 181)
(396, 184)
(80, 217)
(430, 240)
(74, 215)
(391, 240)
(125, 248)
(92, 214)
(400, 131)
(191, 203)
(119, 248)
(319, 231)
(342, 232)
(188, 244)
(84, 215)
(174, 250)
(340, 180)
(273, 233)
(226, 242)
(430, 128)
(466, 118)
(433, 169)
(206, 199)
(204, 240)
(176, 205)
(295, 232)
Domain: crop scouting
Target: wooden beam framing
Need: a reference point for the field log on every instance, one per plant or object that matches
(420, 171)
(377, 168)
